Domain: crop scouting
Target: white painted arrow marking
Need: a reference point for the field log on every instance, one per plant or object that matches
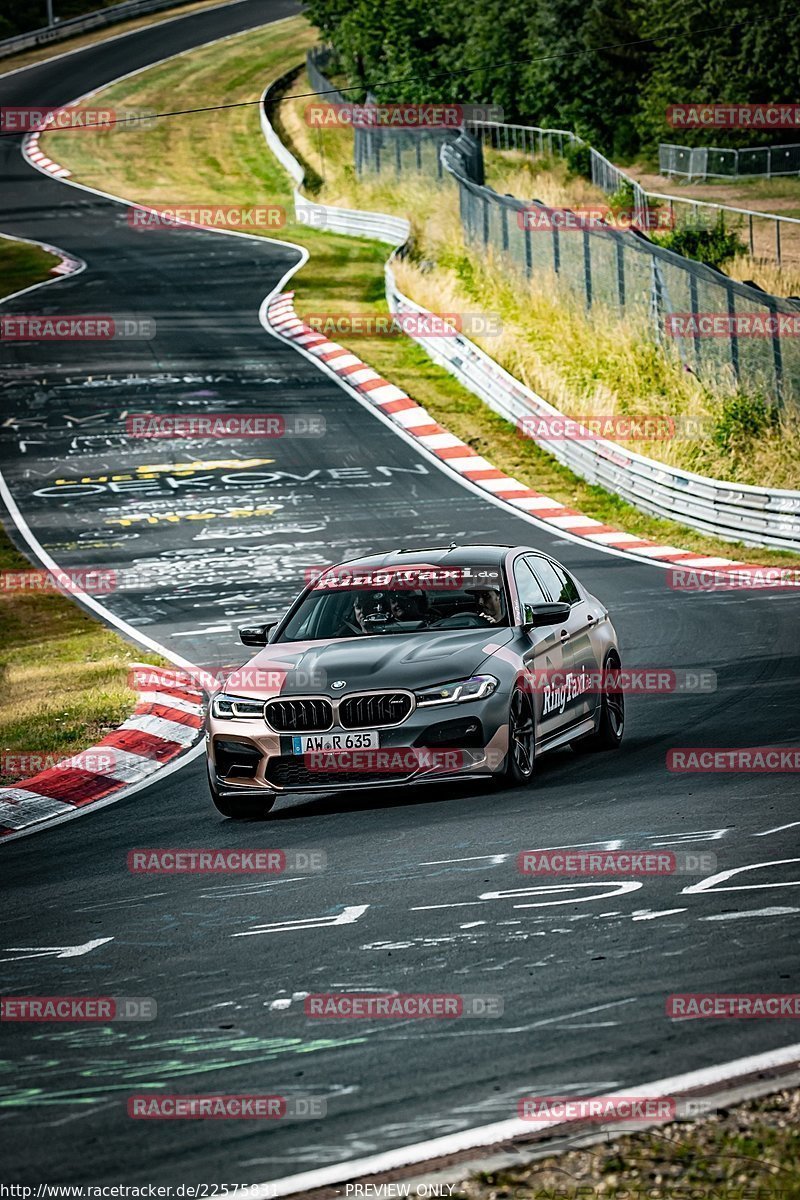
(711, 883)
(346, 917)
(57, 951)
(556, 889)
(776, 829)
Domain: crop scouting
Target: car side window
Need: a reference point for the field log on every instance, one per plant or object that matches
(569, 591)
(555, 583)
(528, 587)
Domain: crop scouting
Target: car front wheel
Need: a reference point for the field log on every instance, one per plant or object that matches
(521, 739)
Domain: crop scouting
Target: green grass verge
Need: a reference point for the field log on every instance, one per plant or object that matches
(63, 675)
(22, 264)
(220, 156)
(743, 1153)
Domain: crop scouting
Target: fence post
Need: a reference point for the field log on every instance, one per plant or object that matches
(752, 243)
(587, 268)
(734, 340)
(556, 252)
(693, 306)
(486, 220)
(528, 247)
(778, 241)
(777, 355)
(620, 249)
(504, 225)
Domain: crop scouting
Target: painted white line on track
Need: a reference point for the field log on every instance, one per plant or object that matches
(777, 829)
(503, 1131)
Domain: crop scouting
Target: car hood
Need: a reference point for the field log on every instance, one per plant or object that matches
(394, 660)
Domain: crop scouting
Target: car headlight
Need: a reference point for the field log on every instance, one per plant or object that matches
(475, 688)
(232, 707)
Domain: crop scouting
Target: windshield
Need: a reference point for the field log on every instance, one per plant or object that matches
(385, 601)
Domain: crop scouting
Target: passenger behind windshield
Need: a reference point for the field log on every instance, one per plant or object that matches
(472, 599)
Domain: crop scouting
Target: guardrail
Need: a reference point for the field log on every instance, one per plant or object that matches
(93, 20)
(353, 222)
(753, 515)
(738, 513)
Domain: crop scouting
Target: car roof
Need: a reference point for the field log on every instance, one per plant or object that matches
(474, 554)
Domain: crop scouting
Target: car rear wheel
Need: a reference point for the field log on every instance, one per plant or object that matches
(521, 739)
(611, 728)
(240, 807)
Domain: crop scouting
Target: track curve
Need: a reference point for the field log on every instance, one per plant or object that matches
(583, 983)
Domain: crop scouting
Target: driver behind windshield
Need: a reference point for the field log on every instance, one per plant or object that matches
(369, 614)
(488, 604)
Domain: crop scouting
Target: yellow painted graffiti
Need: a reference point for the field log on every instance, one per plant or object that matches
(182, 469)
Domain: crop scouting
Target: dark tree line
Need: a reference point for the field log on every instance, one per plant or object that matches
(566, 63)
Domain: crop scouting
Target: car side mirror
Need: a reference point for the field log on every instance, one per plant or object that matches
(256, 635)
(536, 615)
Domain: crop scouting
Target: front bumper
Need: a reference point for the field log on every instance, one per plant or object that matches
(462, 741)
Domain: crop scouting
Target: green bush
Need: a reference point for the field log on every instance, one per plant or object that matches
(743, 418)
(622, 200)
(714, 246)
(578, 157)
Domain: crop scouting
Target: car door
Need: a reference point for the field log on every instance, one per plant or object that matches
(543, 654)
(577, 648)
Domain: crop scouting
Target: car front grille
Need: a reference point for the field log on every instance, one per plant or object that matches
(298, 716)
(290, 771)
(371, 711)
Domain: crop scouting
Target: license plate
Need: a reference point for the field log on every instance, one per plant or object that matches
(308, 743)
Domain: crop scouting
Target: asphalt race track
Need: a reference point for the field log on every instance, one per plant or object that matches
(435, 901)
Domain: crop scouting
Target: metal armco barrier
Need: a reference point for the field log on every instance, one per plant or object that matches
(93, 20)
(752, 515)
(353, 222)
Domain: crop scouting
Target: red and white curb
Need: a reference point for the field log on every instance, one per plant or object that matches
(461, 458)
(166, 722)
(38, 157)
